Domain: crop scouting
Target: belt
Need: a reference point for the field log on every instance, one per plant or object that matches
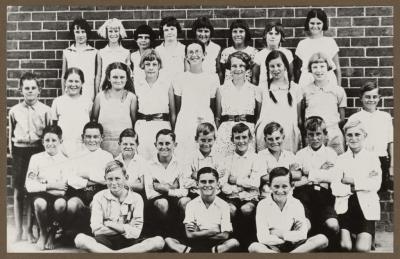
(237, 118)
(153, 117)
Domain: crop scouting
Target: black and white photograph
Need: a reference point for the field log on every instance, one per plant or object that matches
(199, 128)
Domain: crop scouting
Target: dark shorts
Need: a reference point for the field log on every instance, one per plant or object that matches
(385, 165)
(286, 247)
(201, 245)
(117, 242)
(49, 198)
(20, 163)
(354, 221)
(85, 194)
(238, 203)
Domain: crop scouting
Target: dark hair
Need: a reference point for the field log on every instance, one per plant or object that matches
(145, 29)
(150, 55)
(316, 13)
(280, 171)
(118, 65)
(129, 133)
(314, 122)
(208, 170)
(29, 76)
(80, 23)
(55, 129)
(169, 21)
(241, 24)
(204, 128)
(202, 22)
(278, 27)
(167, 132)
(368, 86)
(240, 128)
(113, 165)
(271, 56)
(272, 127)
(93, 125)
(74, 70)
(243, 56)
(196, 41)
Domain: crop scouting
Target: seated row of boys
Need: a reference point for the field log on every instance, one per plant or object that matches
(64, 189)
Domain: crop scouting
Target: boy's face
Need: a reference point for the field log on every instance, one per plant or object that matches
(241, 141)
(116, 180)
(206, 142)
(194, 53)
(30, 90)
(319, 70)
(315, 138)
(203, 34)
(280, 188)
(355, 138)
(370, 100)
(165, 145)
(274, 141)
(80, 35)
(170, 33)
(51, 143)
(207, 184)
(92, 139)
(128, 146)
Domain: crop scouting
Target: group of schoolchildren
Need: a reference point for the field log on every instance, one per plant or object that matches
(193, 149)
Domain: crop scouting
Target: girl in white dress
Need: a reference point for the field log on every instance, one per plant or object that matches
(144, 37)
(156, 104)
(281, 100)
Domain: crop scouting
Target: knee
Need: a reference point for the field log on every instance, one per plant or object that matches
(233, 210)
(80, 240)
(332, 225)
(159, 243)
(40, 205)
(253, 247)
(73, 205)
(183, 202)
(363, 247)
(60, 205)
(320, 241)
(162, 206)
(247, 209)
(346, 245)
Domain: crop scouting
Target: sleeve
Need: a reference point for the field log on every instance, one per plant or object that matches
(32, 183)
(342, 98)
(134, 227)
(189, 214)
(369, 183)
(224, 56)
(300, 50)
(338, 188)
(226, 225)
(333, 47)
(54, 110)
(96, 217)
(262, 226)
(300, 234)
(76, 181)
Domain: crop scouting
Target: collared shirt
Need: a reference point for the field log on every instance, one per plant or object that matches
(44, 168)
(311, 161)
(379, 128)
(216, 215)
(270, 216)
(136, 168)
(129, 212)
(267, 161)
(90, 165)
(27, 123)
(324, 102)
(172, 58)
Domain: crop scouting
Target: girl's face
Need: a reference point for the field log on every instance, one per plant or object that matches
(151, 68)
(238, 36)
(238, 67)
(355, 138)
(203, 34)
(194, 54)
(277, 68)
(280, 188)
(80, 35)
(170, 33)
(274, 141)
(30, 90)
(73, 84)
(128, 146)
(370, 100)
(315, 25)
(273, 38)
(319, 70)
(143, 41)
(118, 78)
(113, 34)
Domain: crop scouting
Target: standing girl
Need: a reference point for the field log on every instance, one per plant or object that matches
(114, 32)
(115, 107)
(316, 23)
(144, 37)
(81, 55)
(238, 100)
(281, 101)
(71, 111)
(155, 103)
(241, 39)
(273, 37)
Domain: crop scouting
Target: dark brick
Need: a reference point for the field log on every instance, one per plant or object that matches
(385, 62)
(32, 64)
(11, 26)
(364, 42)
(52, 83)
(376, 52)
(108, 7)
(386, 41)
(386, 91)
(56, 44)
(133, 7)
(350, 102)
(349, 111)
(339, 22)
(56, 8)
(29, 26)
(253, 13)
(178, 14)
(352, 72)
(13, 92)
(121, 15)
(223, 33)
(95, 15)
(47, 73)
(343, 42)
(301, 12)
(55, 26)
(378, 72)
(351, 52)
(293, 22)
(284, 12)
(18, 54)
(198, 13)
(31, 45)
(48, 92)
(379, 11)
(68, 15)
(16, 73)
(388, 102)
(386, 21)
(358, 82)
(54, 64)
(12, 64)
(19, 17)
(226, 13)
(82, 7)
(350, 32)
(147, 15)
(63, 35)
(132, 24)
(299, 33)
(43, 16)
(381, 31)
(30, 8)
(350, 11)
(385, 82)
(12, 8)
(344, 62)
(43, 35)
(59, 54)
(368, 21)
(364, 62)
(261, 23)
(43, 55)
(345, 82)
(12, 45)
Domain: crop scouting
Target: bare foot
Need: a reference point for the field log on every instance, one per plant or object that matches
(50, 241)
(41, 242)
(31, 238)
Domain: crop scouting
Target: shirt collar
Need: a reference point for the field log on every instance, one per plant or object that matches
(214, 203)
(319, 151)
(130, 199)
(245, 155)
(34, 106)
(155, 161)
(87, 47)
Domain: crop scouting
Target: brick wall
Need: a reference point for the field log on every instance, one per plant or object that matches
(36, 36)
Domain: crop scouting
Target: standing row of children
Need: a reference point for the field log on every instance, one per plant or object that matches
(269, 117)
